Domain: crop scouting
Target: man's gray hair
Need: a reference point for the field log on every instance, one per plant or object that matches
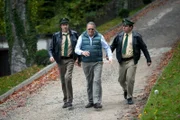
(91, 23)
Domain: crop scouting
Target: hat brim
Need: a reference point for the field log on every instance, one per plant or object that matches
(64, 23)
(127, 22)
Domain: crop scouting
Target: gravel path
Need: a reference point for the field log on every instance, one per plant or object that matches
(160, 29)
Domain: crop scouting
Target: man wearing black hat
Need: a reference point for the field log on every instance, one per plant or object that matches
(128, 45)
(62, 51)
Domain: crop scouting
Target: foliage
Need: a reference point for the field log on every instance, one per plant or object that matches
(166, 104)
(33, 6)
(116, 21)
(50, 26)
(46, 9)
(91, 16)
(2, 22)
(104, 27)
(124, 13)
(25, 33)
(42, 57)
(147, 1)
(78, 12)
(30, 36)
(136, 10)
(8, 28)
(45, 14)
(8, 82)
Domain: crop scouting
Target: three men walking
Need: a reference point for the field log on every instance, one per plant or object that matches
(68, 48)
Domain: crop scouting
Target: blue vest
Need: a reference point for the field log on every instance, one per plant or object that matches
(95, 48)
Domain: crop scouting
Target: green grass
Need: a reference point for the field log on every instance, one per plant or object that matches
(8, 82)
(166, 104)
(136, 10)
(104, 27)
(108, 25)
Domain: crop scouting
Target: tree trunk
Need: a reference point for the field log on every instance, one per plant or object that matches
(125, 6)
(17, 28)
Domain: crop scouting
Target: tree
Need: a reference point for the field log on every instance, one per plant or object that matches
(2, 23)
(20, 34)
(125, 6)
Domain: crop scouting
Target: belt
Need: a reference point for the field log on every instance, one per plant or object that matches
(127, 59)
(63, 57)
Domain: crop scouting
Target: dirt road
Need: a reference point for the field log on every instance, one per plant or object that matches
(159, 28)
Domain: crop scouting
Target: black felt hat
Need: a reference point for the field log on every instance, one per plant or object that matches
(127, 22)
(64, 21)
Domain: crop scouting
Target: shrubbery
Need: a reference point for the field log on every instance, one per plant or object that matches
(42, 57)
(124, 13)
(147, 1)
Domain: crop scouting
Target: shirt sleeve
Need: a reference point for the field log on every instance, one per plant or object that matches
(106, 47)
(78, 46)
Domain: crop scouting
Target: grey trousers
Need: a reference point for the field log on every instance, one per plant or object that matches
(66, 69)
(93, 71)
(127, 71)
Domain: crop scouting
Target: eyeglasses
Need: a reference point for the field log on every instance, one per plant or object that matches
(90, 29)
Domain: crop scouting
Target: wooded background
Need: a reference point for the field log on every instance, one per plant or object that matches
(22, 20)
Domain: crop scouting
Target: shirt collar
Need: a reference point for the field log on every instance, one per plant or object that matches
(65, 33)
(128, 33)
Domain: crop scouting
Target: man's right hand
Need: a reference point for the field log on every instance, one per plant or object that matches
(86, 53)
(110, 61)
(51, 59)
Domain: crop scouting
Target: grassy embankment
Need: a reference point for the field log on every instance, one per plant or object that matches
(8, 82)
(166, 104)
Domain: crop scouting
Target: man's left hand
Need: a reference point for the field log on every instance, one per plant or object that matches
(77, 63)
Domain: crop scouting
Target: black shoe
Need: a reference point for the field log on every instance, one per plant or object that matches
(129, 101)
(89, 105)
(67, 105)
(97, 105)
(125, 94)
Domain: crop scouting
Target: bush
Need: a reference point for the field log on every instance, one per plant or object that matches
(42, 57)
(91, 16)
(124, 13)
(147, 1)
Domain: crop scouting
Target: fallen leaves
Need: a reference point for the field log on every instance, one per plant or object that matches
(151, 81)
(19, 98)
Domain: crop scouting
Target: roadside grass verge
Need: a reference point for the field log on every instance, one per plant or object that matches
(166, 104)
(110, 24)
(136, 10)
(106, 26)
(8, 82)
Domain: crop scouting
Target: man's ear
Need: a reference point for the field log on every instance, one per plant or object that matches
(131, 27)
